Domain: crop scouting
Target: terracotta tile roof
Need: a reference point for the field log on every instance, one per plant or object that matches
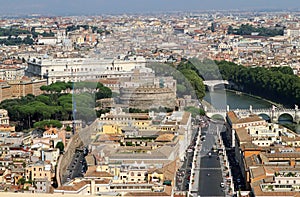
(243, 135)
(236, 120)
(92, 172)
(154, 170)
(169, 170)
(185, 118)
(281, 155)
(232, 116)
(167, 192)
(75, 187)
(107, 137)
(102, 181)
(258, 172)
(290, 139)
(250, 145)
(165, 138)
(258, 191)
(251, 161)
(51, 131)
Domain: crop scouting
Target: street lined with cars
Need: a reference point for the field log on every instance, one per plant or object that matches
(78, 165)
(206, 168)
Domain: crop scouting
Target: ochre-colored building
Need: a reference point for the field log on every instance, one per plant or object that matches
(19, 88)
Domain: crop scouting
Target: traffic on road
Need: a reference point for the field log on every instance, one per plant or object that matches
(78, 165)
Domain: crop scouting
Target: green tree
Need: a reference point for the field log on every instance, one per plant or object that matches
(21, 181)
(48, 123)
(60, 146)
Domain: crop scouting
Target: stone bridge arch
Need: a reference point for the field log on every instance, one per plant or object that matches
(274, 115)
(210, 84)
(218, 117)
(288, 115)
(265, 116)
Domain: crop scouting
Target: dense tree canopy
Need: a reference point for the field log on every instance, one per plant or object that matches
(16, 41)
(246, 29)
(48, 123)
(56, 103)
(195, 111)
(13, 31)
(274, 84)
(60, 146)
(188, 81)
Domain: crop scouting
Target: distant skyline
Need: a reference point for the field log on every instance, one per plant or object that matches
(93, 7)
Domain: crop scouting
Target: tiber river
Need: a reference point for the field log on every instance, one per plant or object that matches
(221, 98)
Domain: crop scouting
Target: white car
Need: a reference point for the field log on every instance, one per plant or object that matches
(222, 185)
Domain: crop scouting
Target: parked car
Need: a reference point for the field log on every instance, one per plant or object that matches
(222, 185)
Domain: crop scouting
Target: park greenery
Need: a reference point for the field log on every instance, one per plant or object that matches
(47, 124)
(86, 27)
(60, 146)
(195, 111)
(246, 29)
(57, 103)
(188, 81)
(44, 34)
(13, 31)
(12, 35)
(278, 85)
(16, 41)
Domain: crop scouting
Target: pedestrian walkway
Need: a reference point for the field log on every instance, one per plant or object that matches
(210, 168)
(194, 185)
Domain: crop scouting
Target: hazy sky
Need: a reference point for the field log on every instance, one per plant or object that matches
(66, 7)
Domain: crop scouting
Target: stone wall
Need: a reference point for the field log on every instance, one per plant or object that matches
(147, 97)
(83, 137)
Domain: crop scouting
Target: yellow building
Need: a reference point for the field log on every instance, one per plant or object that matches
(38, 170)
(111, 129)
(155, 175)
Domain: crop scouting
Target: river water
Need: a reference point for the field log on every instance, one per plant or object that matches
(219, 99)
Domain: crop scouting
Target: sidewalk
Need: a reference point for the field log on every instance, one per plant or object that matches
(194, 184)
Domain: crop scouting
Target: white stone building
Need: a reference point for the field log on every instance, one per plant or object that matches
(80, 69)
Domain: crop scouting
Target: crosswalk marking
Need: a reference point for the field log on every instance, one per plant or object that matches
(210, 168)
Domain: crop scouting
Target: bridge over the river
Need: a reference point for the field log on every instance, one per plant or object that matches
(212, 83)
(273, 114)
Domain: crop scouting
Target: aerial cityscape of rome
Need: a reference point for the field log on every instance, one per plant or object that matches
(149, 98)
